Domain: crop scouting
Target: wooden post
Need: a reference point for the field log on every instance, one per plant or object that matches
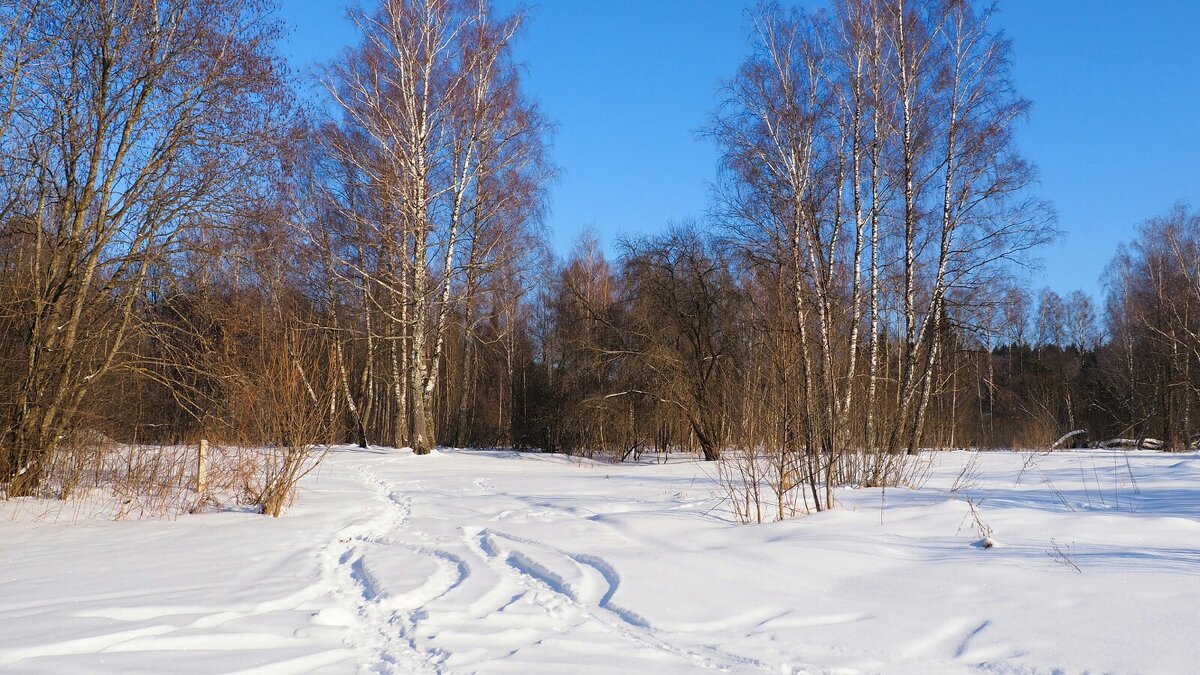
(202, 467)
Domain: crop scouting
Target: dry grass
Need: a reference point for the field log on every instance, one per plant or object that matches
(114, 481)
(761, 485)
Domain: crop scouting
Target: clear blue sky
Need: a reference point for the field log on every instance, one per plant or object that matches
(1115, 129)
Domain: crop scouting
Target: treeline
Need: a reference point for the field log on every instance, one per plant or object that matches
(186, 251)
(671, 347)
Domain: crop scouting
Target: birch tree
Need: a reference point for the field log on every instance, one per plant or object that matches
(1154, 323)
(432, 130)
(869, 161)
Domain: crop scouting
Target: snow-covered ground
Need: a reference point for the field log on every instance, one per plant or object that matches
(500, 562)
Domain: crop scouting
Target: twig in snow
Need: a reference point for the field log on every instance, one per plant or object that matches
(1061, 554)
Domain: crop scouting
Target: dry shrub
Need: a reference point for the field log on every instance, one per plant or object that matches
(278, 401)
(155, 481)
(268, 481)
(883, 469)
(151, 480)
(78, 463)
(745, 478)
(122, 481)
(262, 478)
(275, 400)
(760, 484)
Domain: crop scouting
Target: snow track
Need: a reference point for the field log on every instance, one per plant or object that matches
(424, 602)
(382, 624)
(587, 583)
(498, 562)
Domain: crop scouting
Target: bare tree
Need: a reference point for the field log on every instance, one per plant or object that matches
(433, 133)
(1154, 315)
(140, 127)
(869, 161)
(681, 328)
(1079, 315)
(1051, 318)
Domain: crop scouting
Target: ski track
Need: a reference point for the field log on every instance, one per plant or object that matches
(599, 610)
(493, 595)
(383, 629)
(405, 632)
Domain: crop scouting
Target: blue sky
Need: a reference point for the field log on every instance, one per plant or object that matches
(1115, 129)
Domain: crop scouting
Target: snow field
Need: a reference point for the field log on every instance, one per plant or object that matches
(499, 562)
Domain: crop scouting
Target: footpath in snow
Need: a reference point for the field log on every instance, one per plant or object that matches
(500, 562)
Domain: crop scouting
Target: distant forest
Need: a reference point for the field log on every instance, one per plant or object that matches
(188, 251)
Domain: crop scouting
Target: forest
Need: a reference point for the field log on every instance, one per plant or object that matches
(190, 249)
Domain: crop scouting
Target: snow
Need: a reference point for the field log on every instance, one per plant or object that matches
(499, 562)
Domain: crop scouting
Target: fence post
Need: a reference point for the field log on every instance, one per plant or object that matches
(202, 467)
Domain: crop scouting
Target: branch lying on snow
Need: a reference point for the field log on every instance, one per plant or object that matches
(1133, 443)
(1061, 554)
(1142, 443)
(1066, 437)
